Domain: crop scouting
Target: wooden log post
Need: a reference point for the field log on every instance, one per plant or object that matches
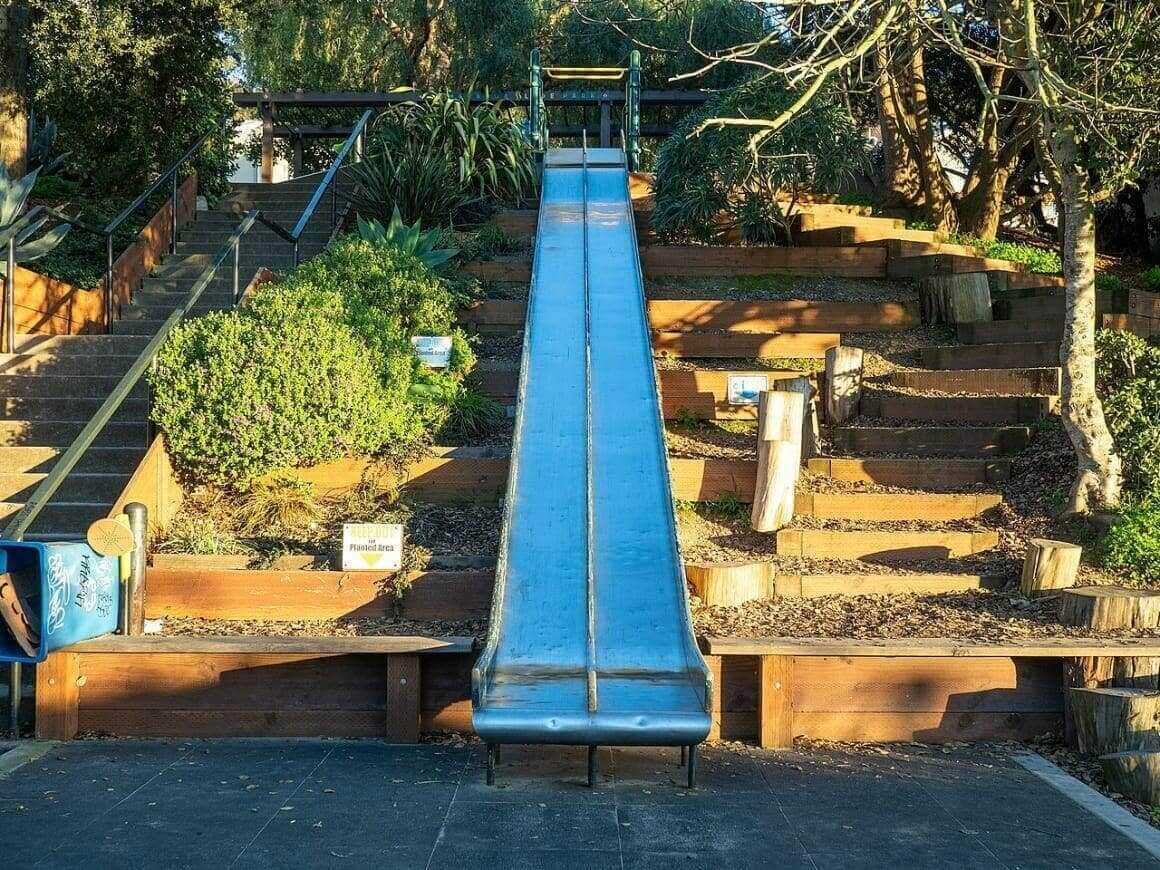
(811, 431)
(1135, 774)
(775, 702)
(1098, 672)
(843, 383)
(731, 584)
(403, 697)
(779, 457)
(1106, 608)
(960, 298)
(1049, 565)
(267, 168)
(58, 682)
(1115, 720)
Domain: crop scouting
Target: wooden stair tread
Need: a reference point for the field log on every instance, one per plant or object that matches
(256, 644)
(1055, 647)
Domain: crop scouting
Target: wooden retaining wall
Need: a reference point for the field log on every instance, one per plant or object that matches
(693, 261)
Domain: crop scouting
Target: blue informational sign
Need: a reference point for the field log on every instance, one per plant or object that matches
(71, 592)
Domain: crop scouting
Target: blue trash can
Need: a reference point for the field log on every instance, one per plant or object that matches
(72, 594)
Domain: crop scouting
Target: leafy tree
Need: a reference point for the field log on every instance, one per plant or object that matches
(131, 83)
(13, 86)
(1088, 73)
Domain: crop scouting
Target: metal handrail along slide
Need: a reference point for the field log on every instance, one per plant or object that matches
(590, 640)
(21, 521)
(354, 141)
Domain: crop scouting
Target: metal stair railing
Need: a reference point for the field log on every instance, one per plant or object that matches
(354, 141)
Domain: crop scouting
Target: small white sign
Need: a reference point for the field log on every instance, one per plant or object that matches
(433, 350)
(746, 389)
(372, 546)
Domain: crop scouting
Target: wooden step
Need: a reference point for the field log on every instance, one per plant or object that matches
(889, 507)
(47, 363)
(61, 433)
(990, 382)
(911, 246)
(1022, 280)
(1031, 308)
(932, 440)
(684, 315)
(65, 386)
(871, 546)
(912, 472)
(959, 409)
(122, 460)
(925, 241)
(89, 487)
(947, 264)
(820, 585)
(744, 345)
(998, 331)
(820, 219)
(979, 356)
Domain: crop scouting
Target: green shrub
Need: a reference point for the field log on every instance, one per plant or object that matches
(1151, 279)
(239, 394)
(441, 160)
(1133, 544)
(1106, 283)
(1038, 260)
(709, 183)
(1128, 379)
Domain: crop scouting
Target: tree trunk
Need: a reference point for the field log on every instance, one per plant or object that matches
(940, 203)
(1098, 477)
(903, 187)
(13, 86)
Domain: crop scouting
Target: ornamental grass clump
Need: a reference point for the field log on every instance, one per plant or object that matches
(317, 367)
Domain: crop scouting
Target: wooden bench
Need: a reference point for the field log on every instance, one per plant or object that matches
(238, 686)
(906, 689)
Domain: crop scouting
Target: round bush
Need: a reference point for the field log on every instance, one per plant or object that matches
(239, 394)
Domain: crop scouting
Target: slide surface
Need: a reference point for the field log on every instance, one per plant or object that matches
(590, 640)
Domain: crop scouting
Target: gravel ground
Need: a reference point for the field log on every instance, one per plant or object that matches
(353, 627)
(726, 439)
(513, 290)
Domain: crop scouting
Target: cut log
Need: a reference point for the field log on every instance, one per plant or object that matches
(961, 298)
(731, 584)
(843, 383)
(811, 432)
(1049, 565)
(1101, 672)
(1135, 774)
(779, 457)
(1115, 720)
(1106, 608)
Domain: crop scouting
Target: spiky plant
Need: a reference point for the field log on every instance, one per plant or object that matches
(281, 505)
(13, 198)
(410, 239)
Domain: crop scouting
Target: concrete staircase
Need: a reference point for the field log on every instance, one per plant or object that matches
(52, 385)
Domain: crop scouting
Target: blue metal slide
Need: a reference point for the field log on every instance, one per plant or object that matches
(591, 640)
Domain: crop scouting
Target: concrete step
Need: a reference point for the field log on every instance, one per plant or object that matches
(60, 520)
(218, 232)
(48, 363)
(18, 487)
(142, 326)
(62, 386)
(1020, 331)
(15, 433)
(189, 268)
(162, 310)
(916, 473)
(70, 409)
(980, 356)
(880, 546)
(85, 345)
(96, 460)
(991, 382)
(966, 441)
(894, 506)
(959, 409)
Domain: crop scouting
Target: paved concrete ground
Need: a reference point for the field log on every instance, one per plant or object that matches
(311, 804)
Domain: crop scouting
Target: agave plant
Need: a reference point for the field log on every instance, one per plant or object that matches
(13, 198)
(411, 239)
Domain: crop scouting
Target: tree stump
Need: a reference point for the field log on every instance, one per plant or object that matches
(779, 457)
(1115, 720)
(1101, 672)
(1105, 608)
(843, 383)
(1049, 565)
(811, 432)
(731, 584)
(1135, 774)
(962, 298)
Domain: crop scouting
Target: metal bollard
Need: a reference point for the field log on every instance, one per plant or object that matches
(133, 607)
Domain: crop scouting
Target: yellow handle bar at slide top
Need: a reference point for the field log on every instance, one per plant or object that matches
(591, 73)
